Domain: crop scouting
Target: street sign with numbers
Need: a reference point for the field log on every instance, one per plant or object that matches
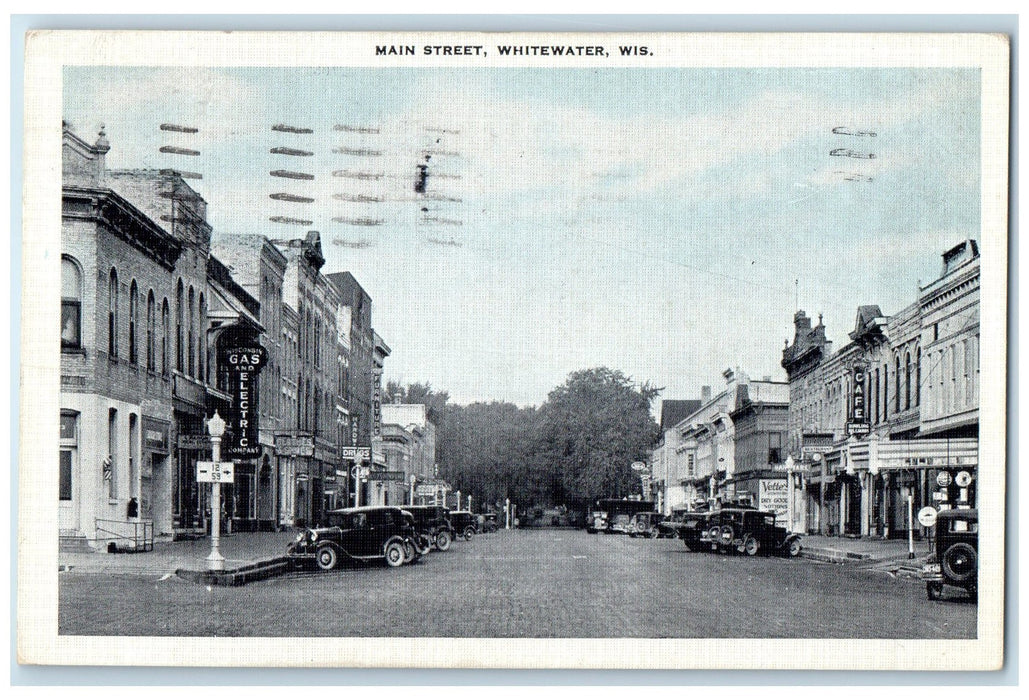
(215, 472)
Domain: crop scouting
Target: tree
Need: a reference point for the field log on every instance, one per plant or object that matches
(593, 427)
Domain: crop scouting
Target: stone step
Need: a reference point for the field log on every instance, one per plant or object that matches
(74, 543)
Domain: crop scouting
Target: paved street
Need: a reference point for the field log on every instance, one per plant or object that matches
(529, 583)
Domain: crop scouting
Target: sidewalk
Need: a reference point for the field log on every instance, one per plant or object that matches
(239, 549)
(888, 555)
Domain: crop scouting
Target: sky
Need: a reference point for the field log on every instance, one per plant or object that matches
(666, 222)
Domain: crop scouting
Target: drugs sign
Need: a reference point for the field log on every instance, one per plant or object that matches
(356, 453)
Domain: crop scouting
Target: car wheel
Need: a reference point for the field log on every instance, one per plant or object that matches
(591, 531)
(469, 531)
(422, 544)
(327, 558)
(395, 555)
(793, 547)
(933, 590)
(751, 546)
(443, 540)
(726, 535)
(959, 562)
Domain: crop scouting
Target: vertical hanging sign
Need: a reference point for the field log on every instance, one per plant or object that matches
(243, 363)
(376, 403)
(858, 423)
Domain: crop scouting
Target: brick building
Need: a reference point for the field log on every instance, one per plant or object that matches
(259, 268)
(307, 447)
(118, 273)
(893, 415)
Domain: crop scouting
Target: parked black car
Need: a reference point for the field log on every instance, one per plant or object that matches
(371, 532)
(464, 522)
(691, 527)
(433, 523)
(954, 560)
(750, 532)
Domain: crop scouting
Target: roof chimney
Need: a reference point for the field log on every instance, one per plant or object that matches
(705, 393)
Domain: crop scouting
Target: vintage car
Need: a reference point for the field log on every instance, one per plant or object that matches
(954, 560)
(488, 522)
(433, 523)
(367, 533)
(693, 530)
(645, 525)
(464, 522)
(749, 531)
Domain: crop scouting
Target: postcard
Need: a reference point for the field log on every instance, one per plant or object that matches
(514, 350)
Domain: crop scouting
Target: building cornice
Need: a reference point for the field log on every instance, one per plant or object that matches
(123, 220)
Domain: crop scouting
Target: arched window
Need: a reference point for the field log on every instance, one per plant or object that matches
(179, 303)
(165, 335)
(896, 387)
(112, 315)
(191, 365)
(875, 395)
(918, 379)
(151, 310)
(133, 322)
(907, 382)
(886, 393)
(201, 340)
(71, 304)
(316, 424)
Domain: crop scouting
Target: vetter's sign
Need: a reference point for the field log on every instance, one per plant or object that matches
(244, 364)
(773, 495)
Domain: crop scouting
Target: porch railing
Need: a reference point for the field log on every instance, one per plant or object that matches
(125, 535)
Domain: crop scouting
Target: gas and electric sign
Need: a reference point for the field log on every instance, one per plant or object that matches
(244, 363)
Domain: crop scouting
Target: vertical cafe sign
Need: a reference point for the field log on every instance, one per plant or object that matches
(243, 363)
(858, 423)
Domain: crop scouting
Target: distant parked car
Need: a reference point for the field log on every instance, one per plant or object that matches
(433, 522)
(488, 522)
(464, 523)
(955, 557)
(371, 532)
(645, 525)
(749, 531)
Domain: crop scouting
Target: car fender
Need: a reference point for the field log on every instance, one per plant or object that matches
(331, 544)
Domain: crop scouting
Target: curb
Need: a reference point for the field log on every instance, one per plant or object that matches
(834, 556)
(237, 577)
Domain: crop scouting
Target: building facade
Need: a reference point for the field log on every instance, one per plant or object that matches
(889, 423)
(259, 268)
(117, 426)
(307, 447)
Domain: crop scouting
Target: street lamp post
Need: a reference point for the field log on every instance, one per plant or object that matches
(215, 560)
